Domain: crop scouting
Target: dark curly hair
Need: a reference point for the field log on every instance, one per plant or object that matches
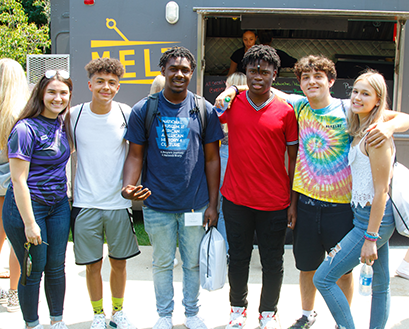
(176, 52)
(317, 63)
(261, 52)
(105, 65)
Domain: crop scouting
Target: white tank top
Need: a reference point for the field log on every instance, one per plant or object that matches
(362, 182)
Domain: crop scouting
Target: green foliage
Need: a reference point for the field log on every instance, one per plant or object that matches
(18, 37)
(38, 11)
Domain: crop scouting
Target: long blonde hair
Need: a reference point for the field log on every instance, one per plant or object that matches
(14, 94)
(377, 82)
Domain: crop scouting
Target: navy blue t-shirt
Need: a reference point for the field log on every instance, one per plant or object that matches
(175, 173)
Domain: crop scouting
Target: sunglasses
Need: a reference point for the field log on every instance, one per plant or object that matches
(27, 264)
(52, 73)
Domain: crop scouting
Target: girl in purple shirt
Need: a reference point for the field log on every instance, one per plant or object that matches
(36, 213)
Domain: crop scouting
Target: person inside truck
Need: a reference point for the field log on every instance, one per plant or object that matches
(249, 40)
(322, 175)
(99, 210)
(262, 127)
(182, 171)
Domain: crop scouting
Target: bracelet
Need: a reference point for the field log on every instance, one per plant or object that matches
(235, 88)
(371, 236)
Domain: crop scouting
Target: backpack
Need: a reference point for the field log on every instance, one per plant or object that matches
(152, 113)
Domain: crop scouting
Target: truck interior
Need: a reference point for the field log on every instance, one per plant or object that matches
(353, 43)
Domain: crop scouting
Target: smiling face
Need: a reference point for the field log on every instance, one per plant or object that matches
(316, 87)
(56, 99)
(260, 76)
(249, 40)
(363, 98)
(104, 87)
(177, 73)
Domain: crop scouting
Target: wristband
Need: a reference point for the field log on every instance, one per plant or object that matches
(235, 88)
(371, 236)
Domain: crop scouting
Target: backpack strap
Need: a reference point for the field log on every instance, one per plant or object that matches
(152, 110)
(123, 114)
(200, 104)
(76, 123)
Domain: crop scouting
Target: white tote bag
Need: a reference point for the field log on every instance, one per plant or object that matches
(400, 198)
(213, 260)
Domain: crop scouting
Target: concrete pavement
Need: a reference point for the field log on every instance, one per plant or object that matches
(140, 300)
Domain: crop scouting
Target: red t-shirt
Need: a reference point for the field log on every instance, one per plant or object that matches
(256, 176)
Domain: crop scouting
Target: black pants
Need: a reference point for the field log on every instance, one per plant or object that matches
(270, 227)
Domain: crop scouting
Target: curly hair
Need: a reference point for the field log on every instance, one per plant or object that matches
(317, 63)
(176, 52)
(261, 52)
(105, 65)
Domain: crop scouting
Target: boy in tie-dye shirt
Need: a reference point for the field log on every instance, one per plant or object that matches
(322, 175)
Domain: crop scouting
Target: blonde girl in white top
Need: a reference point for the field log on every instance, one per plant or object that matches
(367, 242)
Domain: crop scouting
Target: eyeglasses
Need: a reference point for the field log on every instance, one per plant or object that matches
(52, 73)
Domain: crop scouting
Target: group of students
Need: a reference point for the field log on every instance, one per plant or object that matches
(334, 137)
(340, 154)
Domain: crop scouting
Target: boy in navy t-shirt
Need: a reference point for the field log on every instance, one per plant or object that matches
(180, 185)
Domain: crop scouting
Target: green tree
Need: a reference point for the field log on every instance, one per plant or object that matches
(38, 11)
(18, 38)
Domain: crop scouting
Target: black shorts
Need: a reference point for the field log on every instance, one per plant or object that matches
(320, 226)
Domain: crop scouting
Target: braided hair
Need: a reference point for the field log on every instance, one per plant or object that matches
(176, 52)
(261, 53)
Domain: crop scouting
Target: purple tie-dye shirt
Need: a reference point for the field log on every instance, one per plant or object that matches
(42, 142)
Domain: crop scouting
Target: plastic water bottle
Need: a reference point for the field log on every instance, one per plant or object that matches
(226, 103)
(365, 280)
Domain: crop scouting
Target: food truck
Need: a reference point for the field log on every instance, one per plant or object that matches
(355, 34)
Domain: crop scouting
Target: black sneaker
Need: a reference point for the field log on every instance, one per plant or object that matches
(304, 322)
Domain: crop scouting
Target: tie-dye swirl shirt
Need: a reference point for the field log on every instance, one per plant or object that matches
(43, 143)
(322, 170)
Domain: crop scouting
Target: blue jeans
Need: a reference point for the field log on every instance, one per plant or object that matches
(163, 230)
(346, 258)
(221, 225)
(54, 222)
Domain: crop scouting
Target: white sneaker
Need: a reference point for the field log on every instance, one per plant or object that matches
(238, 317)
(99, 322)
(59, 325)
(194, 322)
(120, 321)
(13, 304)
(164, 322)
(403, 270)
(268, 320)
(3, 296)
